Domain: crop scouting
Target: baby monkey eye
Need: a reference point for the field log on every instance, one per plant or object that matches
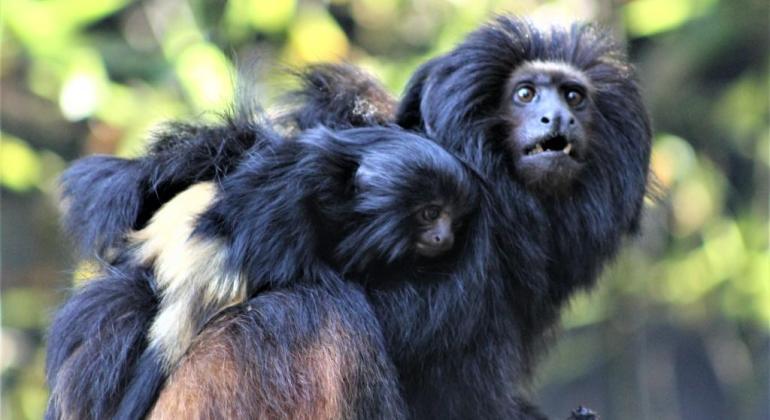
(525, 94)
(574, 97)
(430, 213)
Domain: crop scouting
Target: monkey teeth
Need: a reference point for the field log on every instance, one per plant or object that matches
(538, 148)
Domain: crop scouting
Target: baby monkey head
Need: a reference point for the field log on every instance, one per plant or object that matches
(412, 200)
(436, 224)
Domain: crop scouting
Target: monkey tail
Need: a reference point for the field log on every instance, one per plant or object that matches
(142, 391)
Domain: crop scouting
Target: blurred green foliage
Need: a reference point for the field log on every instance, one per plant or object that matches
(94, 76)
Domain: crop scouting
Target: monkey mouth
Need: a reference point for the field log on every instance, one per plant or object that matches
(554, 144)
(432, 251)
(551, 163)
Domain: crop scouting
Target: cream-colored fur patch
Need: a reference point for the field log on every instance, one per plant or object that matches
(190, 272)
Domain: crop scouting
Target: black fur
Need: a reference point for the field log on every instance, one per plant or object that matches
(305, 200)
(141, 391)
(464, 345)
(451, 330)
(94, 341)
(99, 196)
(457, 100)
(606, 201)
(338, 96)
(105, 197)
(327, 202)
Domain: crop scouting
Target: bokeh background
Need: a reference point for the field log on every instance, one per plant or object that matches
(679, 326)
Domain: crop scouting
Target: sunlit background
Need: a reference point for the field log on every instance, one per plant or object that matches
(678, 327)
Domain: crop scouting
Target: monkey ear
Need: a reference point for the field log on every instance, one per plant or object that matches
(409, 114)
(363, 177)
(334, 155)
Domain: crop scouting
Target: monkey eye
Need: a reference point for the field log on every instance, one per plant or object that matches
(525, 94)
(430, 213)
(574, 97)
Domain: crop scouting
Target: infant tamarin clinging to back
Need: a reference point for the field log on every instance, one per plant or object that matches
(303, 211)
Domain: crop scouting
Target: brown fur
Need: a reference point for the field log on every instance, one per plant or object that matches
(313, 381)
(206, 381)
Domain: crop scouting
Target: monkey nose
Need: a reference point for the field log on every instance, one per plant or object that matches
(557, 121)
(443, 242)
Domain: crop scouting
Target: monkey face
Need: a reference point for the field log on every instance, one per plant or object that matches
(549, 106)
(435, 230)
(409, 195)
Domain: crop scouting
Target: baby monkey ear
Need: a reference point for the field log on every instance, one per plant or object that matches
(363, 177)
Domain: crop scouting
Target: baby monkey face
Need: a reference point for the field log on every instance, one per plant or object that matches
(436, 225)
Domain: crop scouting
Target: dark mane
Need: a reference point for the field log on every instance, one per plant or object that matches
(548, 245)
